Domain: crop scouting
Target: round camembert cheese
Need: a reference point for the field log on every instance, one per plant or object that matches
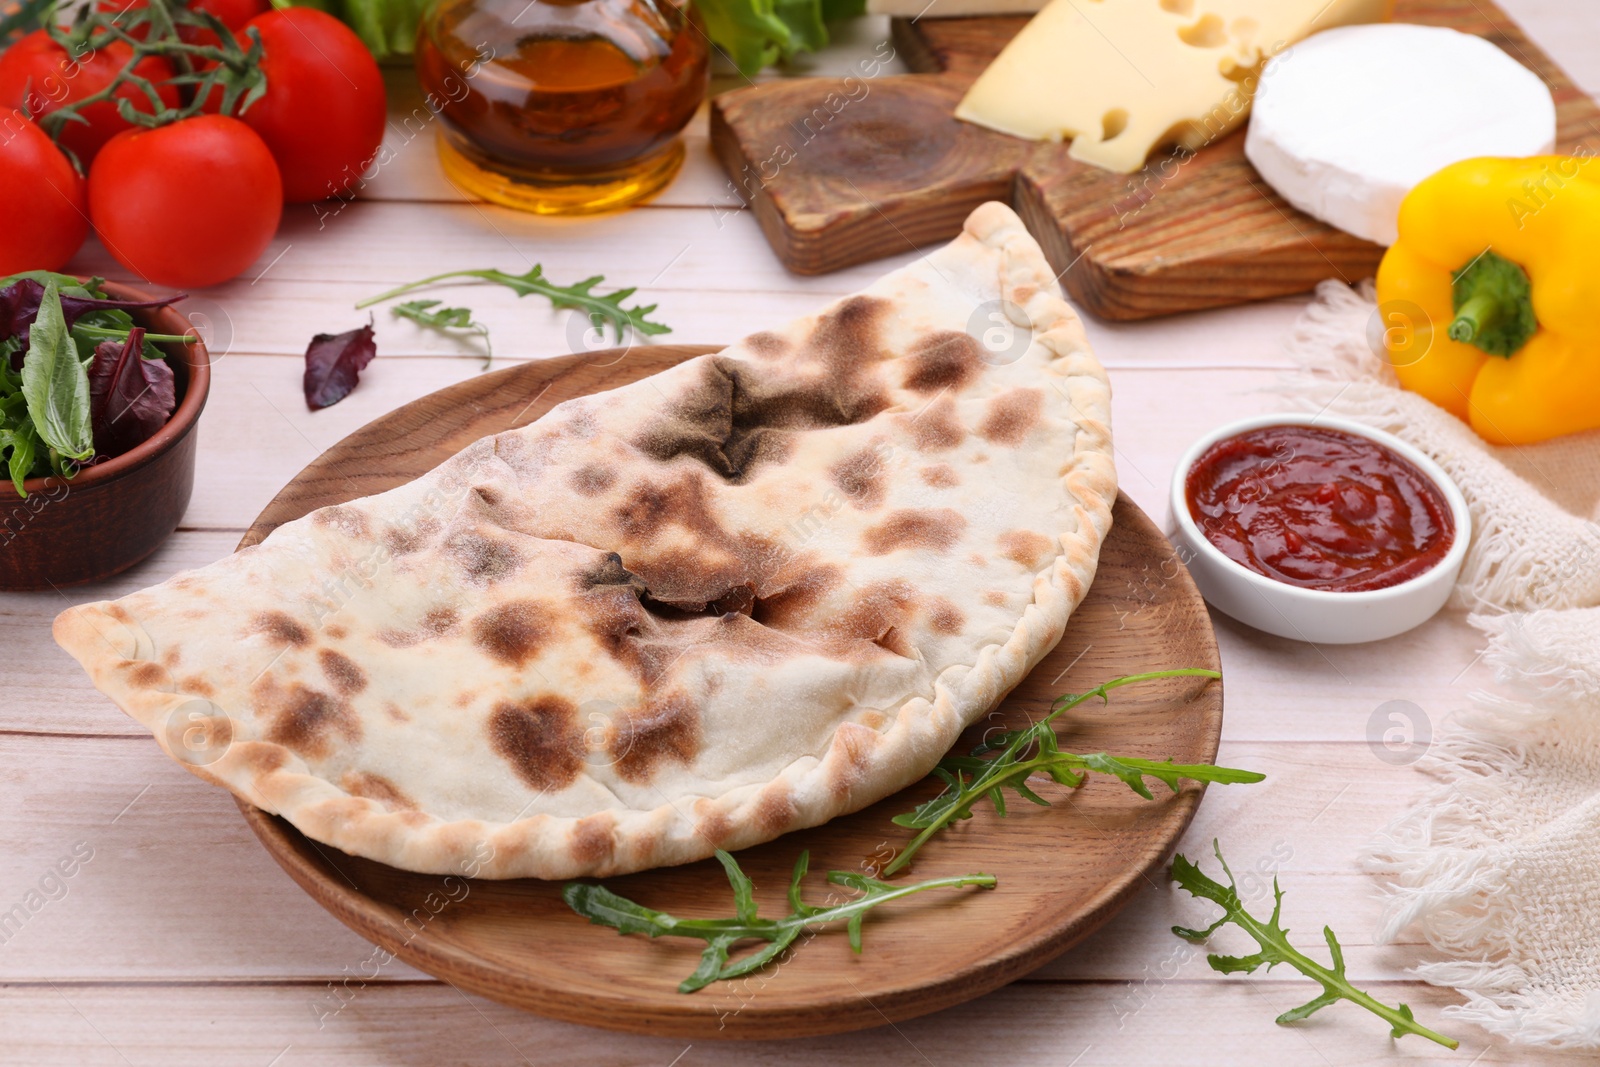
(1348, 120)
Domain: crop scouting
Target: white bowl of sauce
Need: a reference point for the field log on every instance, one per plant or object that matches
(1317, 528)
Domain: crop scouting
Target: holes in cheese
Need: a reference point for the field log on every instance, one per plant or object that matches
(1207, 33)
(1171, 67)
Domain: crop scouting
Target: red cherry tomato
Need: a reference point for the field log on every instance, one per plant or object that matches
(324, 112)
(186, 205)
(44, 216)
(39, 76)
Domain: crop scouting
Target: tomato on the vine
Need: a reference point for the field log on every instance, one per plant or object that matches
(186, 205)
(324, 110)
(233, 14)
(44, 215)
(38, 75)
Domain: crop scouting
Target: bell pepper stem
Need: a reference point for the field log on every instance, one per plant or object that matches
(1473, 317)
(1493, 302)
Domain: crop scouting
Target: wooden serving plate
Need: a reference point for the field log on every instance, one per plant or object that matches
(840, 171)
(1063, 870)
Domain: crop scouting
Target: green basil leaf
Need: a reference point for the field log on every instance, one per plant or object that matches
(24, 450)
(55, 382)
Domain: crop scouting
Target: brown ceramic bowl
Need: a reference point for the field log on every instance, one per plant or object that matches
(113, 514)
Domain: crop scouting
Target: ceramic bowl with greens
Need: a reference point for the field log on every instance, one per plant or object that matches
(101, 386)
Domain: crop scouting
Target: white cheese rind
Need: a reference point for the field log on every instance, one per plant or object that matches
(1349, 120)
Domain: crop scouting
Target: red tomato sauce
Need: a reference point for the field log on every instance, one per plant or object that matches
(1319, 508)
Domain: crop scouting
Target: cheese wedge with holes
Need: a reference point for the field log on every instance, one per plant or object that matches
(1119, 78)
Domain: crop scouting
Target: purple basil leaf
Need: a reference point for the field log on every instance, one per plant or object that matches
(130, 397)
(334, 363)
(19, 306)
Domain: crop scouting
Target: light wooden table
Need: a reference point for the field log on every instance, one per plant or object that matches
(180, 942)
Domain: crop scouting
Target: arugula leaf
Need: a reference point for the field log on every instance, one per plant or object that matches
(602, 310)
(1036, 749)
(604, 908)
(421, 311)
(1275, 949)
(56, 385)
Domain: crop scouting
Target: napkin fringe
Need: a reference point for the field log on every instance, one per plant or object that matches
(1447, 864)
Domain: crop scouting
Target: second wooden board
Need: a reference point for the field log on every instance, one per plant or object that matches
(843, 170)
(1062, 870)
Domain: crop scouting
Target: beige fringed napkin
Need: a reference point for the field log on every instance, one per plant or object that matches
(1499, 866)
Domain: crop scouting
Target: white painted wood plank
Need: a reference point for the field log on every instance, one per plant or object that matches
(1047, 1024)
(713, 277)
(380, 244)
(1567, 31)
(278, 314)
(42, 689)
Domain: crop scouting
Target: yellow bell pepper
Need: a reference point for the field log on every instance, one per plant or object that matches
(1491, 297)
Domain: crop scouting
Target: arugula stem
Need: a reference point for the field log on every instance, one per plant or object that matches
(111, 334)
(1312, 969)
(604, 908)
(1273, 940)
(601, 310)
(859, 906)
(1104, 688)
(402, 290)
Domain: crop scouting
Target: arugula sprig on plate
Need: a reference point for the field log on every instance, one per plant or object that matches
(1275, 949)
(1009, 759)
(604, 908)
(1022, 753)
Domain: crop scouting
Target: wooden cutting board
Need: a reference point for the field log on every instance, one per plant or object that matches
(843, 170)
(1062, 870)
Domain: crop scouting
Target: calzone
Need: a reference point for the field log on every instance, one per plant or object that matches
(742, 596)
